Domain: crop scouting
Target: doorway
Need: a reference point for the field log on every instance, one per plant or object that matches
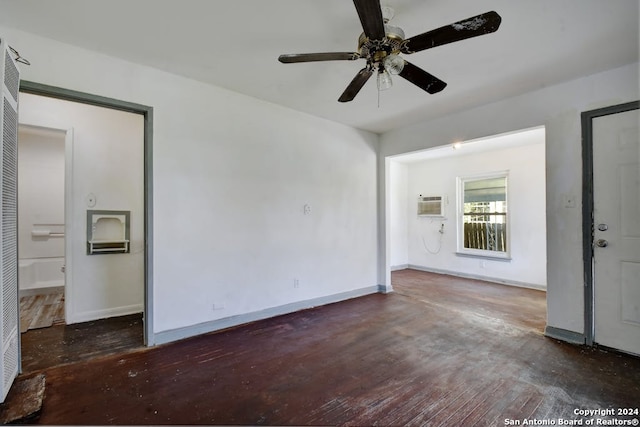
(434, 241)
(145, 226)
(611, 226)
(41, 226)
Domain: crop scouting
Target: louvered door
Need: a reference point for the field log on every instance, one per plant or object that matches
(9, 225)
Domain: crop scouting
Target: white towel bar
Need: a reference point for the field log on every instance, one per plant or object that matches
(45, 233)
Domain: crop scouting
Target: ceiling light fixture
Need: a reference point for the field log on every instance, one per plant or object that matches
(394, 64)
(384, 79)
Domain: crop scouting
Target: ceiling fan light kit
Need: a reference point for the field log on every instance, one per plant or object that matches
(393, 63)
(384, 79)
(381, 44)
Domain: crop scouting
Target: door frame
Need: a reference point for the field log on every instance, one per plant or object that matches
(67, 199)
(147, 112)
(588, 207)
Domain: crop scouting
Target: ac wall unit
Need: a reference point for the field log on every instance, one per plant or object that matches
(431, 206)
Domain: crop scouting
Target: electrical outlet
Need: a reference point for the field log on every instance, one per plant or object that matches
(218, 306)
(296, 283)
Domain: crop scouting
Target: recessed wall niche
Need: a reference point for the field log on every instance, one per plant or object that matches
(107, 232)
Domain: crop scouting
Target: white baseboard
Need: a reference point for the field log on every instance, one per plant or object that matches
(89, 316)
(480, 277)
(40, 291)
(399, 267)
(228, 322)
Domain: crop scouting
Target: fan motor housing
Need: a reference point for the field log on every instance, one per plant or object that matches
(376, 50)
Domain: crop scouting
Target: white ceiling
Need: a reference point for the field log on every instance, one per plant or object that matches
(464, 148)
(235, 45)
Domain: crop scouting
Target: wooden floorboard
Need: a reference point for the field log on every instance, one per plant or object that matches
(437, 351)
(41, 310)
(61, 344)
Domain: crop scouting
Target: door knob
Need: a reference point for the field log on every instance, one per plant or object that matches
(603, 227)
(602, 243)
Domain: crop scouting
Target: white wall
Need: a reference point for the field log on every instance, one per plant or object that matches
(558, 108)
(40, 191)
(429, 249)
(399, 215)
(231, 177)
(106, 160)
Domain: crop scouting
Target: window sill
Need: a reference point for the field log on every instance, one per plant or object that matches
(505, 258)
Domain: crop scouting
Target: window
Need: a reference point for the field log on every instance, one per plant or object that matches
(483, 221)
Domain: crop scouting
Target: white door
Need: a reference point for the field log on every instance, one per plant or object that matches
(9, 342)
(616, 192)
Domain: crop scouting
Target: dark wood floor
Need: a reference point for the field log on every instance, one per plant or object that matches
(61, 344)
(438, 351)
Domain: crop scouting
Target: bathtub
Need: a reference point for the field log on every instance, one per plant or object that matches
(38, 273)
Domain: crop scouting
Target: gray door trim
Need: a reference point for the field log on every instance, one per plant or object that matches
(147, 113)
(588, 206)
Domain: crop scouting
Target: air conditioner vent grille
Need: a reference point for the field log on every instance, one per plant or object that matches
(430, 206)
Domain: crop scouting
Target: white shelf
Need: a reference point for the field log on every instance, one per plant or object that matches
(108, 246)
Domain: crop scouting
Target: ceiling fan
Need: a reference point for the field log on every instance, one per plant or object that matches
(381, 45)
